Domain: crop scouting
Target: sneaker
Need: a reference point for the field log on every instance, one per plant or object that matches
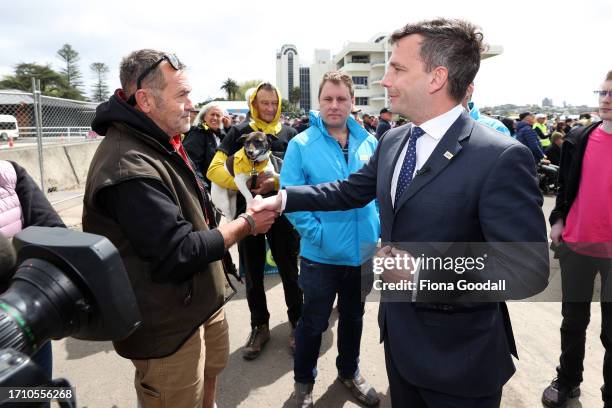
(558, 393)
(364, 392)
(256, 342)
(303, 395)
(292, 341)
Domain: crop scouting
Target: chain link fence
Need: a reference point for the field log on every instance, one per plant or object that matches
(43, 134)
(62, 120)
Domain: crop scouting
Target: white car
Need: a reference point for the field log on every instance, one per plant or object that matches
(8, 127)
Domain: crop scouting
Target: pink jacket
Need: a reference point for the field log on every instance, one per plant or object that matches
(11, 218)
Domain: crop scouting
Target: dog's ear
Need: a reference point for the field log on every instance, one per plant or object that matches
(243, 138)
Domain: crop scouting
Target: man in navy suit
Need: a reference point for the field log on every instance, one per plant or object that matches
(444, 180)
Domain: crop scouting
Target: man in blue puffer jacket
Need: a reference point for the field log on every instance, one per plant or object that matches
(527, 136)
(335, 244)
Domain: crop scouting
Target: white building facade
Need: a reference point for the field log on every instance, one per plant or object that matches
(364, 62)
(287, 69)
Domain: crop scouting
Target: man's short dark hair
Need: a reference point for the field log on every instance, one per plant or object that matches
(451, 43)
(266, 86)
(135, 64)
(584, 116)
(609, 76)
(524, 115)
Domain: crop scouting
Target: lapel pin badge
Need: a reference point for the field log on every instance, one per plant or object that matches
(448, 155)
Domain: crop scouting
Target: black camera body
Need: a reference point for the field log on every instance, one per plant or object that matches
(66, 283)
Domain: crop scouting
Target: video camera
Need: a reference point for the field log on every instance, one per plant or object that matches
(66, 283)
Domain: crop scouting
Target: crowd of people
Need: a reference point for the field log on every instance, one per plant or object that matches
(345, 182)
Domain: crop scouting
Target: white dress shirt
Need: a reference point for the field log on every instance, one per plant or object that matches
(434, 130)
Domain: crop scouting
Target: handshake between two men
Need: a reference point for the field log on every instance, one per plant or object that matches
(265, 210)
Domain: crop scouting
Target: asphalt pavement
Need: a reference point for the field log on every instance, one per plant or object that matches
(103, 379)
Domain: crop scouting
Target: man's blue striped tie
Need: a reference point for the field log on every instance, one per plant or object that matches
(405, 176)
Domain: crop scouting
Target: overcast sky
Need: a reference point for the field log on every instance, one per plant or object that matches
(554, 49)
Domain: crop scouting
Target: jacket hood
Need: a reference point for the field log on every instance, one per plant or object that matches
(354, 127)
(272, 128)
(116, 109)
(474, 112)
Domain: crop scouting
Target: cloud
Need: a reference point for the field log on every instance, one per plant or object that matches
(550, 50)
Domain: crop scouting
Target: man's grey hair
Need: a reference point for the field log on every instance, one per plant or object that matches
(451, 43)
(135, 64)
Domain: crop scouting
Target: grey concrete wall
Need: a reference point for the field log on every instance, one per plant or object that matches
(65, 166)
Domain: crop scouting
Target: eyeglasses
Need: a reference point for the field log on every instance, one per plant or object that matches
(172, 60)
(603, 94)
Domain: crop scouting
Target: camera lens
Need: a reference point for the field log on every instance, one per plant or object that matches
(39, 305)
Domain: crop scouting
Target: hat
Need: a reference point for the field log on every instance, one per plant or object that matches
(540, 116)
(384, 110)
(355, 110)
(524, 115)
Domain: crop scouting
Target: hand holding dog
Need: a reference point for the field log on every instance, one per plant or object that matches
(263, 218)
(265, 183)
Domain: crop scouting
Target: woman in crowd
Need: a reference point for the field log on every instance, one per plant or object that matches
(203, 138)
(22, 205)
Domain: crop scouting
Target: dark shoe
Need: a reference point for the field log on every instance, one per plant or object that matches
(303, 395)
(292, 342)
(558, 393)
(361, 390)
(256, 342)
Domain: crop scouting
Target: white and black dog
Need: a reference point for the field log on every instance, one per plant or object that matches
(244, 166)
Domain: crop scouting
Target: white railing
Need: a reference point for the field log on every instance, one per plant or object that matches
(68, 133)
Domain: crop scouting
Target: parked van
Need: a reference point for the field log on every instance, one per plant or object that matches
(8, 127)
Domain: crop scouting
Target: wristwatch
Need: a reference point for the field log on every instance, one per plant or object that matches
(250, 220)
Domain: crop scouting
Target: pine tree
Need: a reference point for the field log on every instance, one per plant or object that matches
(100, 88)
(71, 72)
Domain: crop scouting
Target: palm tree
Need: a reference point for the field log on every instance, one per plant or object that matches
(231, 88)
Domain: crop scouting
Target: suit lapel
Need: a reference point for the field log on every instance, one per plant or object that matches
(446, 150)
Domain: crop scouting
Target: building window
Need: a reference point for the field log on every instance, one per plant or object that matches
(360, 59)
(361, 101)
(305, 88)
(361, 82)
(289, 72)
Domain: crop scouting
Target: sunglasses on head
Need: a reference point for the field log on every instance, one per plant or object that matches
(172, 60)
(602, 94)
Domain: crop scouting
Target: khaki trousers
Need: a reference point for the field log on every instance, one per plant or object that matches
(177, 380)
